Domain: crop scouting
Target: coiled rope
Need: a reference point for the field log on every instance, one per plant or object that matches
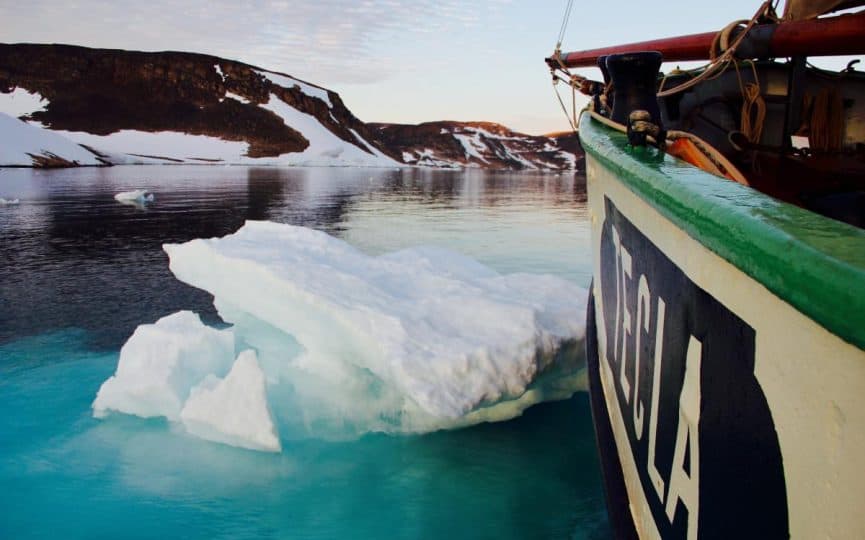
(753, 106)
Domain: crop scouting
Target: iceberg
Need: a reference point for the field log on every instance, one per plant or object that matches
(335, 343)
(136, 196)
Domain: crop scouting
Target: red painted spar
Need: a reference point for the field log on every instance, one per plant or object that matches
(844, 34)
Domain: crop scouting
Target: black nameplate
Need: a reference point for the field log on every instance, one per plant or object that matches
(699, 427)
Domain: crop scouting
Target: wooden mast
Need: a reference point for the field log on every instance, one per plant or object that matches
(843, 34)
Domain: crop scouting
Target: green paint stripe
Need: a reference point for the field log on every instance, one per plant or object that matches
(814, 263)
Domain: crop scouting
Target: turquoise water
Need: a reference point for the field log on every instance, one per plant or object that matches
(79, 272)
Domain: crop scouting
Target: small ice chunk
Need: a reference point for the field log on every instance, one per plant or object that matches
(5, 202)
(140, 196)
(233, 410)
(161, 362)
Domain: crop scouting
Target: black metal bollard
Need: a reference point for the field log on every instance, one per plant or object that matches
(603, 106)
(634, 77)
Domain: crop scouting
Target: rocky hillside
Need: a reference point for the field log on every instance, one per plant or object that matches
(477, 144)
(139, 107)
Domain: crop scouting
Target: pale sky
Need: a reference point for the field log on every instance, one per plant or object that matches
(390, 60)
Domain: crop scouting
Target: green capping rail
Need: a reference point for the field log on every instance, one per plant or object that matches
(814, 263)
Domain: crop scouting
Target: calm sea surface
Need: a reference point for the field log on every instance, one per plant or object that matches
(79, 271)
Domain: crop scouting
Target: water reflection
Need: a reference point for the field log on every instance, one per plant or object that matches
(72, 256)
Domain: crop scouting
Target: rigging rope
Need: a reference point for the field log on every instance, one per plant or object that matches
(573, 79)
(565, 21)
(572, 122)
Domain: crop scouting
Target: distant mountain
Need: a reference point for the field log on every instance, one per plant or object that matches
(478, 144)
(177, 107)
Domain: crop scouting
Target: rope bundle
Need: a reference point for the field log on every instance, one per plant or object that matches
(718, 63)
(826, 122)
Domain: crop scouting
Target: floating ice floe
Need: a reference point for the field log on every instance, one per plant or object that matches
(8, 202)
(136, 196)
(345, 343)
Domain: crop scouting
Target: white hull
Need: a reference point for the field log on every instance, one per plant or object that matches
(813, 383)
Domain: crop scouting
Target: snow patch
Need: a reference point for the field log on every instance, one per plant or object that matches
(237, 97)
(161, 147)
(428, 158)
(325, 148)
(219, 72)
(570, 158)
(306, 88)
(472, 145)
(375, 151)
(504, 152)
(22, 140)
(20, 102)
(492, 135)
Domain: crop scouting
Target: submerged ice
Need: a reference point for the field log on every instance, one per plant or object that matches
(328, 341)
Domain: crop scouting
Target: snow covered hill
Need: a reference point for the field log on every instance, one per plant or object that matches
(173, 107)
(479, 144)
(135, 107)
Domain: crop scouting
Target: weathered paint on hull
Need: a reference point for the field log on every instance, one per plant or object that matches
(731, 413)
